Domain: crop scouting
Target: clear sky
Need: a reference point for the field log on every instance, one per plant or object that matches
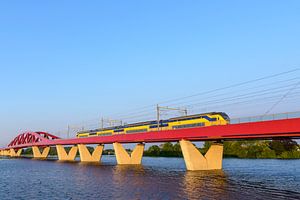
(63, 62)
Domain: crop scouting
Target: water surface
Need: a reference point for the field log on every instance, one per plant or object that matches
(157, 178)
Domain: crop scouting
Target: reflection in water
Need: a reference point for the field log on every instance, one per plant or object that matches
(157, 178)
(125, 169)
(127, 181)
(205, 184)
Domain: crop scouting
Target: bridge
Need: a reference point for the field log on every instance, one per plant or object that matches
(40, 142)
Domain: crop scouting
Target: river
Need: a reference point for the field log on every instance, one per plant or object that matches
(157, 178)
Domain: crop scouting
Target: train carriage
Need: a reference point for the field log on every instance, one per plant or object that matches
(190, 121)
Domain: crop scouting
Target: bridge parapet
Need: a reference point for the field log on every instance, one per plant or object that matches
(266, 117)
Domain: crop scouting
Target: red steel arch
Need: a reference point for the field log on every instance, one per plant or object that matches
(32, 137)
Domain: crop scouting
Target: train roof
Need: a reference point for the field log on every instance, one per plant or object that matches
(202, 114)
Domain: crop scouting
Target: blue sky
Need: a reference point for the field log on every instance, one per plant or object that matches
(63, 62)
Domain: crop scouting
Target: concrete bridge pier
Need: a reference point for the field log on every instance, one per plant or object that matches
(63, 155)
(5, 153)
(86, 156)
(123, 158)
(38, 154)
(13, 153)
(194, 160)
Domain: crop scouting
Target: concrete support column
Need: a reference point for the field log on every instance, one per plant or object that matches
(194, 160)
(40, 155)
(86, 156)
(63, 155)
(123, 158)
(13, 153)
(19, 152)
(5, 153)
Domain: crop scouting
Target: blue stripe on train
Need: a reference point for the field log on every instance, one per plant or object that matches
(210, 119)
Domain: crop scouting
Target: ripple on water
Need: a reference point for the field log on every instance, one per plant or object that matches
(157, 178)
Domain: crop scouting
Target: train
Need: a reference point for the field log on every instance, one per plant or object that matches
(189, 121)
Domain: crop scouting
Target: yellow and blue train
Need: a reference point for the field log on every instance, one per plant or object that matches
(190, 121)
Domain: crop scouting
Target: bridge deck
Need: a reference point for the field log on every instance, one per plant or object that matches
(253, 130)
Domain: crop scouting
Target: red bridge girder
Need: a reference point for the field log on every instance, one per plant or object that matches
(287, 128)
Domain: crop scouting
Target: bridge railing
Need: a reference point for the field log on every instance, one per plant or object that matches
(277, 116)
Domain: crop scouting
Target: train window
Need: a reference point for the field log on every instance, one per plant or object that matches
(118, 130)
(188, 125)
(137, 131)
(104, 134)
(160, 125)
(83, 136)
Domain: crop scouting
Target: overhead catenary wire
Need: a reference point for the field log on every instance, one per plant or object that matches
(237, 97)
(283, 97)
(240, 92)
(217, 102)
(241, 108)
(245, 102)
(218, 89)
(145, 111)
(233, 85)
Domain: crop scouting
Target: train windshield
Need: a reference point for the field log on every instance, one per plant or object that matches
(225, 116)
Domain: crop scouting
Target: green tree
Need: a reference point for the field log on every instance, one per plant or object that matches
(177, 150)
(168, 146)
(206, 146)
(167, 149)
(282, 145)
(153, 151)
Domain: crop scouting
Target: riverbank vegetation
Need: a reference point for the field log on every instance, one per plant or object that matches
(280, 149)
